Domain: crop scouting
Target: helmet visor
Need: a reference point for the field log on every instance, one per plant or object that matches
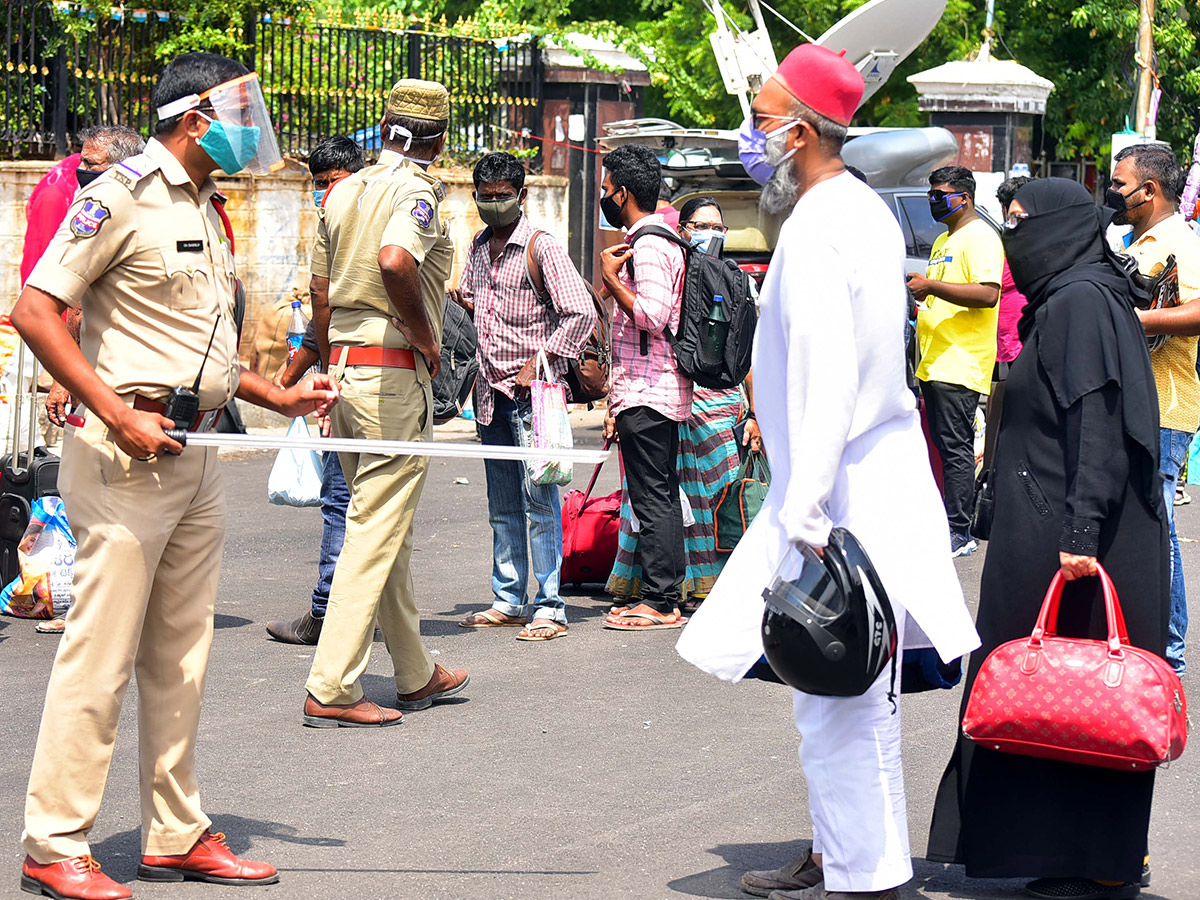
(241, 107)
(812, 593)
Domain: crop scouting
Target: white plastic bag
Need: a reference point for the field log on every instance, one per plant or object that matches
(42, 590)
(551, 428)
(689, 518)
(296, 475)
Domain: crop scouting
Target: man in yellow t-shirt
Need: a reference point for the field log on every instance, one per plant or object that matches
(956, 330)
(1143, 192)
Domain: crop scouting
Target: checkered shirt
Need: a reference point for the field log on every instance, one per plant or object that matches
(654, 379)
(513, 325)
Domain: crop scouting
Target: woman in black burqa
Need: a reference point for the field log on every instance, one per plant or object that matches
(1076, 480)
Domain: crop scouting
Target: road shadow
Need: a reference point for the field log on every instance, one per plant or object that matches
(121, 852)
(3, 626)
(724, 881)
(220, 620)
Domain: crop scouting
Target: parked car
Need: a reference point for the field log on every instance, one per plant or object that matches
(704, 162)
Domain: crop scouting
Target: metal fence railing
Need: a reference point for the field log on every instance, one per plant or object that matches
(320, 79)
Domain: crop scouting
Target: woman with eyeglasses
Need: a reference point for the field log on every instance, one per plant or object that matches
(708, 452)
(1076, 484)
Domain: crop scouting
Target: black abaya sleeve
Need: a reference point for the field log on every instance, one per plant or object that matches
(1097, 468)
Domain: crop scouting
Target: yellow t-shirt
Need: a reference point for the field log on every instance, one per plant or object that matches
(958, 344)
(1175, 361)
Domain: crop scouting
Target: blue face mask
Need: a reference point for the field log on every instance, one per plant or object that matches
(318, 196)
(230, 146)
(701, 238)
(752, 152)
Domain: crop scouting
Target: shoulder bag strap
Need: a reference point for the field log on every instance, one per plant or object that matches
(533, 269)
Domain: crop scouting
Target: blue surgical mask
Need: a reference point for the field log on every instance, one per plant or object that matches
(230, 146)
(318, 197)
(701, 238)
(751, 151)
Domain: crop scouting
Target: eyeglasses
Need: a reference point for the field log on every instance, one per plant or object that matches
(756, 119)
(943, 195)
(1015, 219)
(705, 226)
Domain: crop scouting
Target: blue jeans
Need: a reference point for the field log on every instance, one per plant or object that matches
(1173, 452)
(335, 497)
(517, 507)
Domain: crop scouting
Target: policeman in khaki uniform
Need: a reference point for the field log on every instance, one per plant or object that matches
(379, 271)
(143, 252)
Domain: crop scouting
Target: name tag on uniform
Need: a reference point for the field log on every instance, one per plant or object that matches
(189, 246)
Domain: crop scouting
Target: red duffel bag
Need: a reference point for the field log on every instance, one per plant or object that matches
(590, 527)
(1099, 703)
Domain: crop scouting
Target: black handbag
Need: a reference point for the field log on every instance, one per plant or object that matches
(985, 503)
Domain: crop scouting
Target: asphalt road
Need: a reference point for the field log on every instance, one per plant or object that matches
(596, 766)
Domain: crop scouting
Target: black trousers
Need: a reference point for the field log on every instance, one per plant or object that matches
(951, 412)
(649, 445)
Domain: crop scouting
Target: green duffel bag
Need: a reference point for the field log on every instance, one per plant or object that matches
(741, 500)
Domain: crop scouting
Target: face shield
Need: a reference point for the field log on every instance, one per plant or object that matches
(240, 136)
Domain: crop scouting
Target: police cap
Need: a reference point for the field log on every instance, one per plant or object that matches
(419, 99)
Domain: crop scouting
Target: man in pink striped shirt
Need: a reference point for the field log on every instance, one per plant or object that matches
(514, 324)
(649, 397)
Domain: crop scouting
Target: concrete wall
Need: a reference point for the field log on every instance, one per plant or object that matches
(274, 224)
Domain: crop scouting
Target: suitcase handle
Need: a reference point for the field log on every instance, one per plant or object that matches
(595, 473)
(19, 472)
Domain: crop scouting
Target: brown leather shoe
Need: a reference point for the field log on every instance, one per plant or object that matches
(363, 714)
(442, 684)
(304, 630)
(210, 860)
(796, 875)
(78, 878)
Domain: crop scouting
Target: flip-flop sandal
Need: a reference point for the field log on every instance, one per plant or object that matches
(53, 626)
(555, 629)
(492, 619)
(658, 620)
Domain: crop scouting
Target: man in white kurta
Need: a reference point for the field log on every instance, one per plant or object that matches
(846, 450)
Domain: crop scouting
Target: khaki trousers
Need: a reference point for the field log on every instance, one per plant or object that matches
(149, 537)
(373, 578)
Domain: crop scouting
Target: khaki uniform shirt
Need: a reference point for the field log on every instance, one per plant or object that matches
(392, 203)
(1174, 362)
(145, 256)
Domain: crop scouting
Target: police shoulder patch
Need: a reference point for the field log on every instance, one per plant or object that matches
(87, 222)
(422, 211)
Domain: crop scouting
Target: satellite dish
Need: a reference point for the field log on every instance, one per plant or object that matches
(879, 35)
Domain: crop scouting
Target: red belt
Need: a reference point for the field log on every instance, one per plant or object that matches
(388, 357)
(145, 404)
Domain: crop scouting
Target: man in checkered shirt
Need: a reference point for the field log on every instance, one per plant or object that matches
(649, 396)
(513, 324)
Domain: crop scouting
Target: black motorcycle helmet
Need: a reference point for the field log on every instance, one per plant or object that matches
(830, 630)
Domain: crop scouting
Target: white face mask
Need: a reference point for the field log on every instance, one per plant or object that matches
(775, 142)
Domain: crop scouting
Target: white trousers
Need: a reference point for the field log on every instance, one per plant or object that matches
(851, 758)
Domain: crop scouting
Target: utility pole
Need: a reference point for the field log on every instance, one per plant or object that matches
(1145, 49)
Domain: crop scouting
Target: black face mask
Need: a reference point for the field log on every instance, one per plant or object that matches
(1115, 200)
(941, 208)
(611, 209)
(86, 176)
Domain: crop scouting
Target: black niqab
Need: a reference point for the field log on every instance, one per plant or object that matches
(1080, 308)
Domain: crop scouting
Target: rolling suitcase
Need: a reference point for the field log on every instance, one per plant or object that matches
(590, 527)
(24, 476)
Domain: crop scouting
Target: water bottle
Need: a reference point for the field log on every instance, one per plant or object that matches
(296, 329)
(716, 329)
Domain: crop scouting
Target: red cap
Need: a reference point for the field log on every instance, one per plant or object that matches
(822, 80)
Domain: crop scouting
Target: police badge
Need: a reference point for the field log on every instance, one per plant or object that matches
(422, 211)
(88, 220)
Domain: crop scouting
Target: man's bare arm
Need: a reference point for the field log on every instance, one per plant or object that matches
(403, 286)
(318, 291)
(1178, 320)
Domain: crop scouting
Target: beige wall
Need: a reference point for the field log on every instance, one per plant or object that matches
(274, 224)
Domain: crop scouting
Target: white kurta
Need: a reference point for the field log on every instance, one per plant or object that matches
(841, 430)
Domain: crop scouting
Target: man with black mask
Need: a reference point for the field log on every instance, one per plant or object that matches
(516, 325)
(1143, 193)
(957, 334)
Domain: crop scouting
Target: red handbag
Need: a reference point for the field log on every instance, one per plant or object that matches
(1098, 703)
(591, 527)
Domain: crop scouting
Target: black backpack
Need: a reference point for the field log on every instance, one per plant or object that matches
(705, 277)
(460, 363)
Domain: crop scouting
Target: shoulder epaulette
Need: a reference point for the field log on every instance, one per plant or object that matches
(130, 171)
(439, 189)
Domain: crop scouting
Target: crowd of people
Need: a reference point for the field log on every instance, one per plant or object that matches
(1088, 432)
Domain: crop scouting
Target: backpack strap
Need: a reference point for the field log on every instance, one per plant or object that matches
(533, 269)
(669, 234)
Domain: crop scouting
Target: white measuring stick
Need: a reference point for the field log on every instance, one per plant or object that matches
(392, 448)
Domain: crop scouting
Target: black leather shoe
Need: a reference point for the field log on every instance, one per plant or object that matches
(304, 630)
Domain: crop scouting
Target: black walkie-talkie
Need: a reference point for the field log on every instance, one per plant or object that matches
(183, 405)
